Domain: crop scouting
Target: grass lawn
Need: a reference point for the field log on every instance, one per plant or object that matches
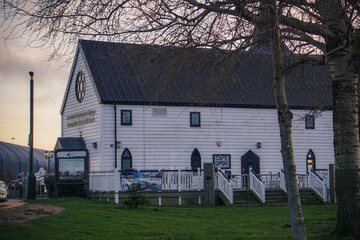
(97, 220)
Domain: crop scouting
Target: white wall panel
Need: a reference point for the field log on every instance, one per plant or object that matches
(90, 131)
(163, 142)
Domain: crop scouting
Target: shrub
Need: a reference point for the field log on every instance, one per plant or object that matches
(72, 190)
(136, 198)
(49, 183)
(64, 190)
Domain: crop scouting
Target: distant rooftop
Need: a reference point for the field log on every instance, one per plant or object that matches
(14, 159)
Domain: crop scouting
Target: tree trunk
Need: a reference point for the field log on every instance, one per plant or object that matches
(285, 124)
(346, 145)
(345, 75)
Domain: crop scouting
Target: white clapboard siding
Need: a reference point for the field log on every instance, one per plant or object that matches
(91, 131)
(163, 139)
(166, 142)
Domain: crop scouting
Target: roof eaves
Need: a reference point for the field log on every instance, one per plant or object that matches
(69, 81)
(226, 105)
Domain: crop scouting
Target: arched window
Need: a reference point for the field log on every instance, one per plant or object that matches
(195, 160)
(126, 160)
(310, 161)
(80, 86)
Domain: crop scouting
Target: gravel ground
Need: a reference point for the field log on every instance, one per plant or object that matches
(18, 212)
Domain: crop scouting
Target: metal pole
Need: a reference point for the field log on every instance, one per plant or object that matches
(48, 157)
(31, 179)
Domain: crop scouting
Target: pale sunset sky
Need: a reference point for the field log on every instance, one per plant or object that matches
(50, 79)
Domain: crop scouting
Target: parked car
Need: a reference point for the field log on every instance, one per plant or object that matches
(3, 191)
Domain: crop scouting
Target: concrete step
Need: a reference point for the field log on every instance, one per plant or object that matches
(245, 198)
(308, 197)
(274, 197)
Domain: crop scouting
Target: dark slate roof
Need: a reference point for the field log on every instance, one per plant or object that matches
(14, 159)
(147, 74)
(70, 143)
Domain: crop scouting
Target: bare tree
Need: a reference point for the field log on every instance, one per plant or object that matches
(332, 28)
(228, 25)
(342, 52)
(285, 124)
(305, 26)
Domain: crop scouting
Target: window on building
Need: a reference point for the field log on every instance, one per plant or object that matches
(310, 161)
(126, 117)
(309, 122)
(195, 160)
(195, 119)
(126, 160)
(80, 86)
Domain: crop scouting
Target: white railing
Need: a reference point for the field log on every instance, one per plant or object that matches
(170, 180)
(225, 186)
(103, 181)
(240, 182)
(106, 181)
(323, 173)
(272, 181)
(282, 181)
(257, 186)
(188, 179)
(303, 181)
(318, 185)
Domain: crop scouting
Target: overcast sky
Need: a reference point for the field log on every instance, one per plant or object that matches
(50, 79)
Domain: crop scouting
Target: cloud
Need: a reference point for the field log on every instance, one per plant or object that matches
(50, 80)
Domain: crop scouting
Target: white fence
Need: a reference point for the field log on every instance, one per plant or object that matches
(257, 186)
(318, 185)
(271, 181)
(224, 185)
(240, 182)
(188, 180)
(109, 181)
(282, 183)
(103, 181)
(303, 181)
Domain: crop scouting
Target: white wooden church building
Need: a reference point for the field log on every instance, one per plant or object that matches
(154, 108)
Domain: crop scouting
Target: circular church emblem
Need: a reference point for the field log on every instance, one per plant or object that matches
(80, 87)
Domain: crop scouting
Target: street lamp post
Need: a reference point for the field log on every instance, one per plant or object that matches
(49, 155)
(31, 179)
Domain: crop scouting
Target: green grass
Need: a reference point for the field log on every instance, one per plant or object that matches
(95, 220)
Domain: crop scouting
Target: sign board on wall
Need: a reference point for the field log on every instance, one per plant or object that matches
(70, 165)
(146, 180)
(71, 168)
(81, 118)
(222, 161)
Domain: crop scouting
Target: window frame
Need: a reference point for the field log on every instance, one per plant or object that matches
(123, 123)
(195, 157)
(191, 119)
(80, 86)
(313, 160)
(308, 119)
(122, 159)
